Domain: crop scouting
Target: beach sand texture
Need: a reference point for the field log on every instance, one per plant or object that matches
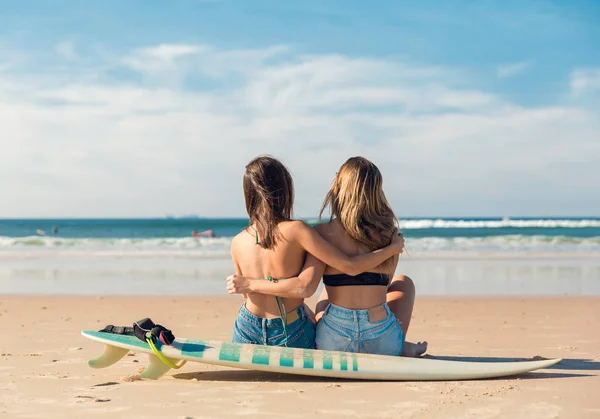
(44, 371)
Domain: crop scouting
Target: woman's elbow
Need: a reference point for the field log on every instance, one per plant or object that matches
(308, 290)
(305, 292)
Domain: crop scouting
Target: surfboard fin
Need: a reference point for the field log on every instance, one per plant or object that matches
(111, 355)
(156, 368)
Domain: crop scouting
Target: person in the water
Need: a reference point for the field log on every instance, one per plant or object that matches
(207, 233)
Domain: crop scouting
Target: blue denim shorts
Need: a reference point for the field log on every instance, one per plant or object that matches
(346, 330)
(249, 328)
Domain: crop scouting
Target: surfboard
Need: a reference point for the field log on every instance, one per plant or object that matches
(302, 361)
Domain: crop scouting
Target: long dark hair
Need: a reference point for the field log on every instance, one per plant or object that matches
(269, 194)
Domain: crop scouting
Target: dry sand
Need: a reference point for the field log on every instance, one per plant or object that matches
(44, 372)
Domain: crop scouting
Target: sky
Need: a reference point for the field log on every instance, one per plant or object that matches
(143, 109)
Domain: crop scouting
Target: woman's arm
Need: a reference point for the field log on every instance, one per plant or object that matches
(238, 270)
(316, 245)
(302, 286)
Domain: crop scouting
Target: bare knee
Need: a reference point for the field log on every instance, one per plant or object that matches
(402, 283)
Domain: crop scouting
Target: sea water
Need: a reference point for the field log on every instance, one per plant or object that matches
(445, 256)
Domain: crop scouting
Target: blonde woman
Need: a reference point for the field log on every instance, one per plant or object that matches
(366, 312)
(274, 247)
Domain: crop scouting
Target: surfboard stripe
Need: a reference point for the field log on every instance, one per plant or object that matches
(343, 362)
(327, 360)
(261, 355)
(309, 360)
(354, 363)
(286, 359)
(193, 349)
(230, 352)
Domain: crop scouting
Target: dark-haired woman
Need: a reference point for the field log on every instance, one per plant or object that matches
(274, 247)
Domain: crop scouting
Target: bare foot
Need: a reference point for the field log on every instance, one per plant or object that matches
(414, 350)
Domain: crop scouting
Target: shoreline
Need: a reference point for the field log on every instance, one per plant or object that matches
(508, 255)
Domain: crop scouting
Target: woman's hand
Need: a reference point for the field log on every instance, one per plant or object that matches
(238, 284)
(397, 241)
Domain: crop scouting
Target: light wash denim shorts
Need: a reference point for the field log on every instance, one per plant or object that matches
(249, 328)
(346, 330)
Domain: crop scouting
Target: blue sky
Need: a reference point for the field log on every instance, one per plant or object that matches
(136, 108)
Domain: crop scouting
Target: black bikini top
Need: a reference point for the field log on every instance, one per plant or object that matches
(365, 278)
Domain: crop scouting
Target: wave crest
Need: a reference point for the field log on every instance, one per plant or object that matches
(504, 223)
(221, 246)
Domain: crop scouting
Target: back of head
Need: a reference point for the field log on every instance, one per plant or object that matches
(269, 194)
(357, 200)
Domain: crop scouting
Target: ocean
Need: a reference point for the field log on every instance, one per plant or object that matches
(445, 256)
(175, 234)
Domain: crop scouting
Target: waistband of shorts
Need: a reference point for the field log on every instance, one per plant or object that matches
(349, 313)
(292, 316)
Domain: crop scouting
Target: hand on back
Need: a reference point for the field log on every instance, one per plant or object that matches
(398, 241)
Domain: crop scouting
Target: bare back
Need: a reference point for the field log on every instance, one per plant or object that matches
(356, 296)
(284, 261)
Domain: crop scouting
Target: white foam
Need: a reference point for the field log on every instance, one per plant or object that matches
(200, 244)
(220, 247)
(507, 222)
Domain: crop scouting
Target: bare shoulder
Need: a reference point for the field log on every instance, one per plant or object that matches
(292, 228)
(324, 229)
(239, 239)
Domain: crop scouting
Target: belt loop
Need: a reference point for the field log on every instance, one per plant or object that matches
(264, 330)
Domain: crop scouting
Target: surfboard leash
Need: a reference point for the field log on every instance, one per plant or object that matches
(160, 356)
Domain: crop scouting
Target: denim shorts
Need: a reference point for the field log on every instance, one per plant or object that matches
(346, 330)
(249, 328)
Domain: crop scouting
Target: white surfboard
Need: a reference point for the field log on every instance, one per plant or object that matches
(303, 361)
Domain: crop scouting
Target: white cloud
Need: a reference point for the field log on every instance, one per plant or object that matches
(512, 69)
(86, 144)
(168, 52)
(65, 49)
(185, 59)
(584, 80)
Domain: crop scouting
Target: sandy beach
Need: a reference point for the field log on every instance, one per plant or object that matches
(44, 372)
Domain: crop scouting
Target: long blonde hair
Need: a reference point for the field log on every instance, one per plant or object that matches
(357, 200)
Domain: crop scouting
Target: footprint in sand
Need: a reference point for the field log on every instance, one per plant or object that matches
(543, 410)
(130, 378)
(92, 399)
(483, 413)
(108, 383)
(408, 409)
(32, 354)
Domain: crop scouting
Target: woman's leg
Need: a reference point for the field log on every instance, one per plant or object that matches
(401, 300)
